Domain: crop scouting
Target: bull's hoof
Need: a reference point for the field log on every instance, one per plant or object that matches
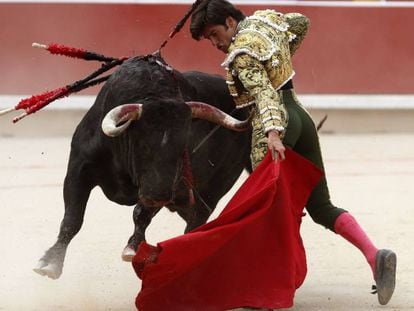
(128, 253)
(51, 270)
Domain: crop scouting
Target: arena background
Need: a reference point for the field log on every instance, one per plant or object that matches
(355, 66)
(355, 62)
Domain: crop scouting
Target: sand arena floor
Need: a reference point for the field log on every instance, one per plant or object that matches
(372, 176)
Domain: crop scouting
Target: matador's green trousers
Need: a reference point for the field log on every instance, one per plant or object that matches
(301, 135)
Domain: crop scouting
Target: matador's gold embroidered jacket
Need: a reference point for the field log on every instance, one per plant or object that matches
(259, 63)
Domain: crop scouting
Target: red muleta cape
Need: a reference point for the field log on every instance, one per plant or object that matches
(251, 255)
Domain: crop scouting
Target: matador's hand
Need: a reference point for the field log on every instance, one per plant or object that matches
(275, 145)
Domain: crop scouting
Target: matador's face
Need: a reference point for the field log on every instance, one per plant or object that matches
(221, 36)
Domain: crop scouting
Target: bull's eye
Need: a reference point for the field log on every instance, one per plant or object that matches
(120, 123)
(124, 119)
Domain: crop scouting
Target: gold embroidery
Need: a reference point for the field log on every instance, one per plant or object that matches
(259, 63)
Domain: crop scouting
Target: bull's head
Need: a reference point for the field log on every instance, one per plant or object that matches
(163, 129)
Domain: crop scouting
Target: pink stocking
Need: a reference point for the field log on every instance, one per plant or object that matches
(347, 226)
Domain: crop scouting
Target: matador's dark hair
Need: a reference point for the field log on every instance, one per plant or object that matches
(212, 12)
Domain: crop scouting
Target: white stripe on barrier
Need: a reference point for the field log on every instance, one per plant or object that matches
(332, 101)
(378, 3)
(342, 101)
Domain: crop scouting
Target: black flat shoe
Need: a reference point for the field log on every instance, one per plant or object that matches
(385, 267)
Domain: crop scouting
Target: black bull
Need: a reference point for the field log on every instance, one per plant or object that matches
(146, 164)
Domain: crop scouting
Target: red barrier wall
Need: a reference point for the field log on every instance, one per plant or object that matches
(349, 50)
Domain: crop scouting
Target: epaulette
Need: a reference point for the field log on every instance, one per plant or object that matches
(256, 36)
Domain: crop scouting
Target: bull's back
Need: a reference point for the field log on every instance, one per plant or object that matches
(211, 89)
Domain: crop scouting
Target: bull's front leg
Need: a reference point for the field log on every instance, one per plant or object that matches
(142, 217)
(77, 187)
(196, 215)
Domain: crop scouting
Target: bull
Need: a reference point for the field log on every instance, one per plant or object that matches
(143, 142)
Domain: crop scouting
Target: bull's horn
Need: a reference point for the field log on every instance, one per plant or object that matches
(118, 119)
(210, 113)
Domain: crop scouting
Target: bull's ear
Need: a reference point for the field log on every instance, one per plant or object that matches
(119, 118)
(213, 114)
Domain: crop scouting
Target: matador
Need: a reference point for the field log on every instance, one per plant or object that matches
(259, 67)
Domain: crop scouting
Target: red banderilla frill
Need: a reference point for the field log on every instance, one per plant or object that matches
(37, 102)
(59, 49)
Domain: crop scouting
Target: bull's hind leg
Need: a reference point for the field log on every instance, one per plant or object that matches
(77, 187)
(142, 217)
